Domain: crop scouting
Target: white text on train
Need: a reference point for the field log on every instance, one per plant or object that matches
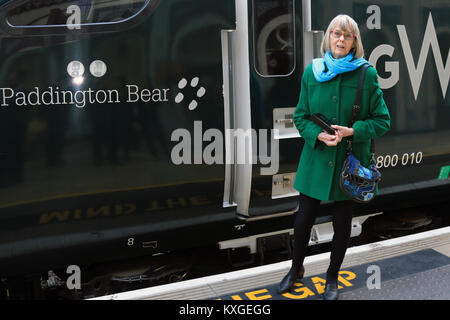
(80, 98)
(415, 72)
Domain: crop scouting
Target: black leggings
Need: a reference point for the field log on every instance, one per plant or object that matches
(342, 219)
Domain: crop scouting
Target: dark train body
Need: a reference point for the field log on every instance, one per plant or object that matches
(116, 117)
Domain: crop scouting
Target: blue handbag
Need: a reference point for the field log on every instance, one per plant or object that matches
(359, 183)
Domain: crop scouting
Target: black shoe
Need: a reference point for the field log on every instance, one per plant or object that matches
(288, 281)
(331, 290)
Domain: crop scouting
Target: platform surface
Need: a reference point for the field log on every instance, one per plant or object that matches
(419, 275)
(411, 267)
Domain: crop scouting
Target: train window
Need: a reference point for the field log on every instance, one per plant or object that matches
(42, 13)
(273, 37)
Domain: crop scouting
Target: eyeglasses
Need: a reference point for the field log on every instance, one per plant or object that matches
(338, 33)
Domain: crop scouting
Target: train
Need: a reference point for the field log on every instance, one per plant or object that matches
(133, 131)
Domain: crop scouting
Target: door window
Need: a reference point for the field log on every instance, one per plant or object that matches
(273, 37)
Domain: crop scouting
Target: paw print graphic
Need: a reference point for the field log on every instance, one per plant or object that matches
(194, 83)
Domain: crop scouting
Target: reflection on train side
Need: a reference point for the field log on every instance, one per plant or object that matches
(57, 12)
(128, 208)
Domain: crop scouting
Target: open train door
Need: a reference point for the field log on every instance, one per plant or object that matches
(263, 63)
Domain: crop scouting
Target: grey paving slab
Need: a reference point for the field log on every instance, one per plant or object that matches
(432, 284)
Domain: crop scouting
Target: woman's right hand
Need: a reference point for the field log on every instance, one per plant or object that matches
(330, 140)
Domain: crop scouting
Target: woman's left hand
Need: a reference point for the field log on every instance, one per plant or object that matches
(343, 131)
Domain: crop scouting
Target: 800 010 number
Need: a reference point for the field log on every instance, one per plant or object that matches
(394, 160)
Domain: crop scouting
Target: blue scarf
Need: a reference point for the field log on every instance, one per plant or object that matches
(335, 66)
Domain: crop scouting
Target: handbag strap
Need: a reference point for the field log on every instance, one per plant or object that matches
(355, 111)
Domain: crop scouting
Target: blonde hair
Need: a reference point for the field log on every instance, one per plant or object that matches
(346, 23)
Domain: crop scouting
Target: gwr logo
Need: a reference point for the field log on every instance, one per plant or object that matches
(415, 72)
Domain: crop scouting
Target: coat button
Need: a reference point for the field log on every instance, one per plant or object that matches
(331, 164)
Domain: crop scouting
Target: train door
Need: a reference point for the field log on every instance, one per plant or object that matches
(266, 60)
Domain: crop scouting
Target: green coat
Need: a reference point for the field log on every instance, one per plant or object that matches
(320, 166)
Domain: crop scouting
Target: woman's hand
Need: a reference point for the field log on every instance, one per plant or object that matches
(330, 140)
(343, 131)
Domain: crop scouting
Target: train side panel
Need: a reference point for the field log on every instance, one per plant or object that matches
(99, 127)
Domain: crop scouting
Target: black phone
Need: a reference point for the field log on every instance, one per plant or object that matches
(323, 122)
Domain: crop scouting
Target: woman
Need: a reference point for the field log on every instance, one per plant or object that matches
(329, 87)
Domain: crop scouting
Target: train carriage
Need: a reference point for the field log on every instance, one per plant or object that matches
(142, 128)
